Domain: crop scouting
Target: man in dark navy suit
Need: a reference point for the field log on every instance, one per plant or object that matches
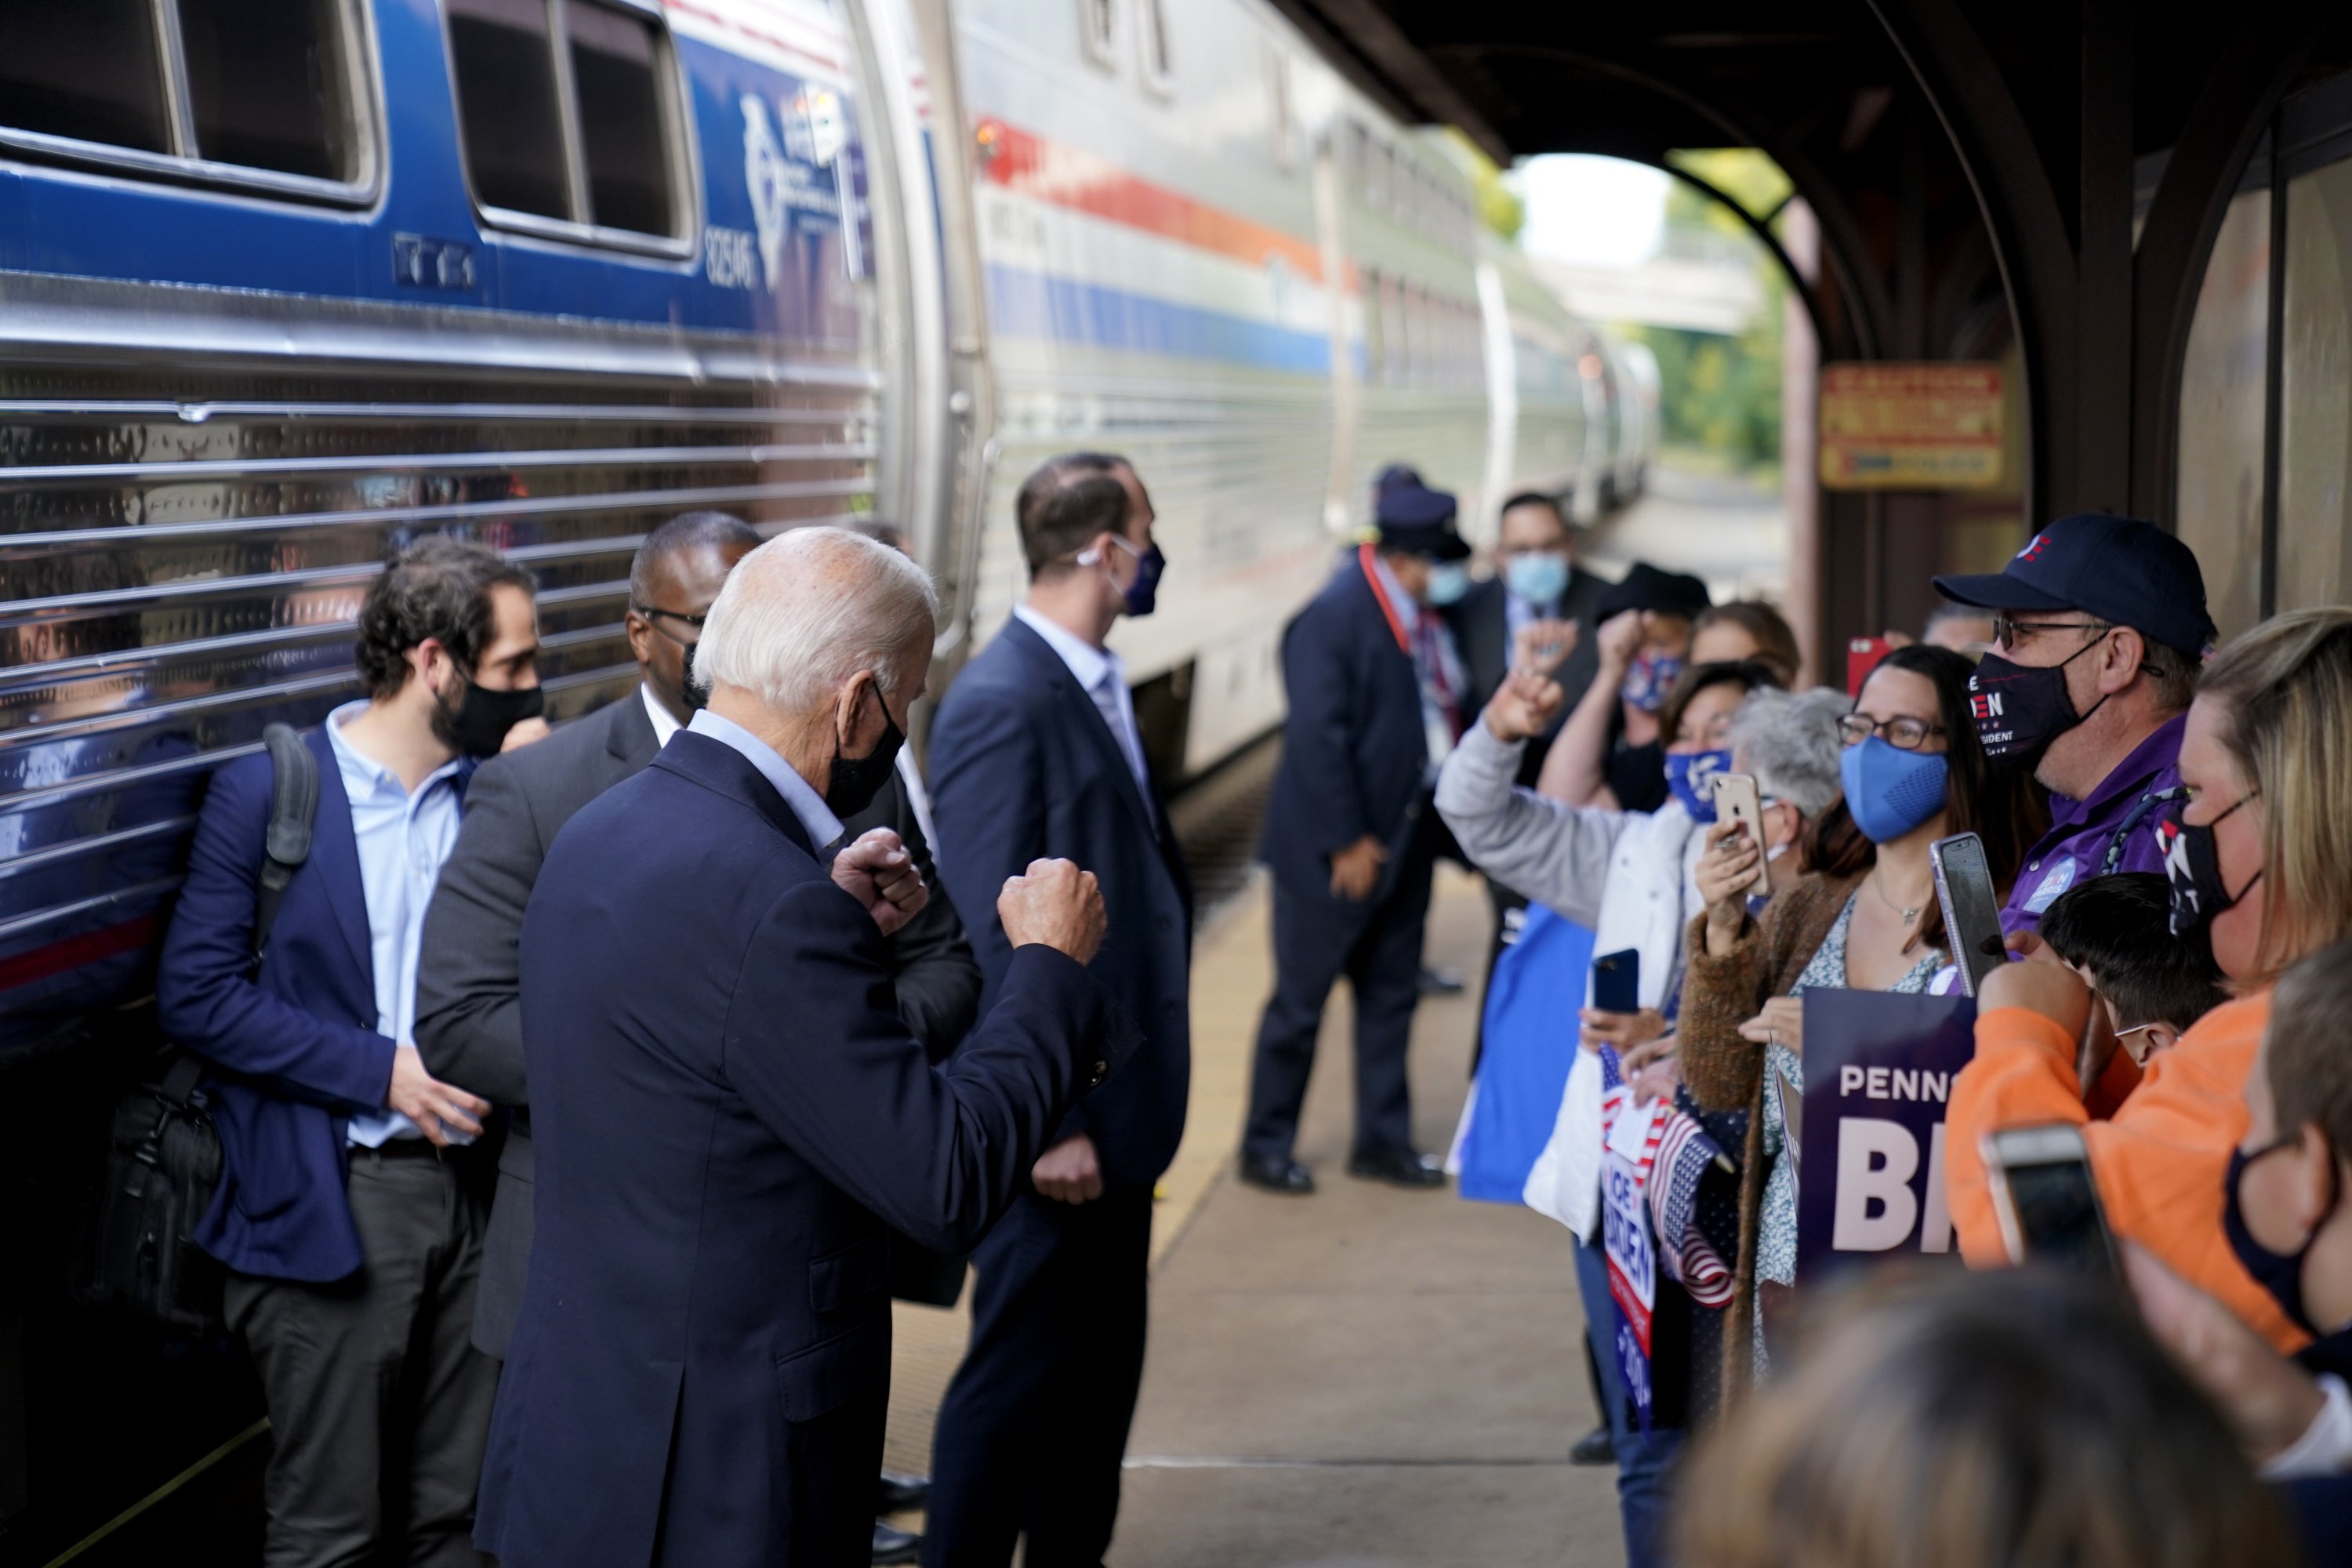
(351, 1228)
(1036, 753)
(1376, 701)
(469, 979)
(727, 1105)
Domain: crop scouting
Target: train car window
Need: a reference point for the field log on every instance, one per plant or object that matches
(1375, 342)
(1098, 31)
(614, 65)
(265, 85)
(90, 71)
(1280, 114)
(1158, 51)
(508, 108)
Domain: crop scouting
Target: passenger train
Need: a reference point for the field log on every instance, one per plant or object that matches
(274, 298)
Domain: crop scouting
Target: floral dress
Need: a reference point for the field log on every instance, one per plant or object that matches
(1776, 1237)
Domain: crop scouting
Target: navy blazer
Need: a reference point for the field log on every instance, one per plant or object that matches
(1023, 768)
(1355, 755)
(294, 1050)
(723, 1099)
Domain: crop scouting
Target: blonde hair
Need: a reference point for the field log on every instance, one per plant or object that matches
(2286, 693)
(1933, 1418)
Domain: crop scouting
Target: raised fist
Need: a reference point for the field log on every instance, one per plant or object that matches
(1054, 904)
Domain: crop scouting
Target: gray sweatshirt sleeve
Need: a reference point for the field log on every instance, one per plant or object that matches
(1555, 854)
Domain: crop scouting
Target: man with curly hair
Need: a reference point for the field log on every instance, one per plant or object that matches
(349, 1214)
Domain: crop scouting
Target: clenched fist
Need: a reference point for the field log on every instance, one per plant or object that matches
(1054, 904)
(1524, 706)
(877, 872)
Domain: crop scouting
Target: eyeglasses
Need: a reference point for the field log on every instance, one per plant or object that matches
(1904, 735)
(651, 613)
(2006, 630)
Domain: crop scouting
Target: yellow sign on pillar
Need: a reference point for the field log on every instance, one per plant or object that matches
(1922, 426)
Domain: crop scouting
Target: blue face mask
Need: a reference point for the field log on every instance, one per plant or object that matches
(1652, 677)
(1538, 579)
(1448, 580)
(1691, 775)
(1891, 791)
(1143, 595)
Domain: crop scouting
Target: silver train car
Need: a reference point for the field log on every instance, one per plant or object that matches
(547, 272)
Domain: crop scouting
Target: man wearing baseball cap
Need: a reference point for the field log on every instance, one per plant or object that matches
(1375, 695)
(2099, 628)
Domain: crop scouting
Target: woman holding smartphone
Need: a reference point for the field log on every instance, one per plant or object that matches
(1863, 917)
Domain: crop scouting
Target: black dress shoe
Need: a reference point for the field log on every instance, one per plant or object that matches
(1595, 1447)
(1276, 1175)
(902, 1494)
(1440, 982)
(895, 1546)
(1399, 1166)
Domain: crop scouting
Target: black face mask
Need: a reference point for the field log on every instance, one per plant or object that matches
(479, 726)
(2019, 712)
(693, 696)
(855, 781)
(2280, 1273)
(2192, 865)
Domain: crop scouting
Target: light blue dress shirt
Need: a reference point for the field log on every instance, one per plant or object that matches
(403, 840)
(815, 818)
(1103, 675)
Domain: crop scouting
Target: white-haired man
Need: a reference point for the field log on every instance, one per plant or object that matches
(701, 1362)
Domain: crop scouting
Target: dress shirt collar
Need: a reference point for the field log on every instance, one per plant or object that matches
(1088, 662)
(364, 777)
(815, 818)
(664, 726)
(1407, 608)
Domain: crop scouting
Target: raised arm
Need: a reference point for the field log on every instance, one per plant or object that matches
(1557, 855)
(1572, 770)
(815, 1044)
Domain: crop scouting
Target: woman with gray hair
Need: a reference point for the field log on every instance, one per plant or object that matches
(1788, 740)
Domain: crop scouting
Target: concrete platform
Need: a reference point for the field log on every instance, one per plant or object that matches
(1366, 1378)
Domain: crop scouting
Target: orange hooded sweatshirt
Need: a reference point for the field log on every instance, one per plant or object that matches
(2159, 1159)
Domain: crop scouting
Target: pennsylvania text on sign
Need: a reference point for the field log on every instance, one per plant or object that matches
(1910, 426)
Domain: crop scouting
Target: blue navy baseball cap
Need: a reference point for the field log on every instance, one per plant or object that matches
(2122, 570)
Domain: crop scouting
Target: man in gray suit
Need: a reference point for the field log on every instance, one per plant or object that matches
(469, 988)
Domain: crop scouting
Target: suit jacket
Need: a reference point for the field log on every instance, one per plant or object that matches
(468, 986)
(295, 1048)
(725, 1098)
(1355, 756)
(1024, 767)
(1481, 620)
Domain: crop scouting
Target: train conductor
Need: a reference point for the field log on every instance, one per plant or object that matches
(1376, 699)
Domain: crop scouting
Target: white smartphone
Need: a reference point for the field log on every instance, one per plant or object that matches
(2045, 1198)
(1738, 800)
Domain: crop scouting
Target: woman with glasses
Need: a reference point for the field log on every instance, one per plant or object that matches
(2259, 854)
(1864, 917)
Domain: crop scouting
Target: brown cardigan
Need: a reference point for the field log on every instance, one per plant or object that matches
(1725, 1071)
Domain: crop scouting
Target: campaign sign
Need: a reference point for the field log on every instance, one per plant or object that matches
(1878, 1073)
(1633, 1255)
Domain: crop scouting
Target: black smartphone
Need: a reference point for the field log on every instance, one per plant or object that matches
(1617, 981)
(1971, 912)
(2046, 1200)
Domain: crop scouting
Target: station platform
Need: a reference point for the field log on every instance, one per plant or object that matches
(1364, 1378)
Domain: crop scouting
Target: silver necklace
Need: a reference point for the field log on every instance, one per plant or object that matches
(1908, 915)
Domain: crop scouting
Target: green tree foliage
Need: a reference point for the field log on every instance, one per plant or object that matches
(1723, 393)
(1500, 207)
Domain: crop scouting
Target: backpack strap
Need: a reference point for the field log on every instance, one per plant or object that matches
(293, 805)
(179, 1081)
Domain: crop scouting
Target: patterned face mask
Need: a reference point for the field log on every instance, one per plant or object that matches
(1652, 676)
